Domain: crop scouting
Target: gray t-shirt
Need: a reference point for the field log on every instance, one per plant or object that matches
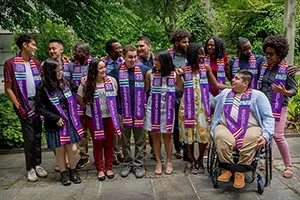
(102, 96)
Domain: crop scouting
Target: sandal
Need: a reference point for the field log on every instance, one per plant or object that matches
(288, 172)
(200, 167)
(193, 168)
(169, 169)
(158, 171)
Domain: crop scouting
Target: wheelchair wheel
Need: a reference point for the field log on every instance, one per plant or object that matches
(268, 164)
(215, 178)
(260, 187)
(208, 164)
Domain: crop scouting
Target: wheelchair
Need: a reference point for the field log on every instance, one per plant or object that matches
(214, 166)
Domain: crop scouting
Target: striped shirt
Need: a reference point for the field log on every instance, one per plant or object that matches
(235, 112)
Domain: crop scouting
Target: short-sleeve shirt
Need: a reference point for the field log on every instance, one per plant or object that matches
(102, 97)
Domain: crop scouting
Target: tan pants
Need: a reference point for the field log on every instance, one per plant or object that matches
(225, 144)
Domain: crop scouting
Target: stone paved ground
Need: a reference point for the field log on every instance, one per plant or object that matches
(179, 185)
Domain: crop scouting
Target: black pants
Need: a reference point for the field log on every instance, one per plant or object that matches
(31, 130)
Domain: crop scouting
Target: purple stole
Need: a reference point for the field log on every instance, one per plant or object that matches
(20, 74)
(189, 109)
(156, 88)
(279, 78)
(139, 97)
(251, 68)
(112, 107)
(238, 128)
(65, 62)
(189, 105)
(64, 131)
(77, 75)
(220, 69)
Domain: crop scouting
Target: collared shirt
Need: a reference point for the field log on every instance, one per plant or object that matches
(112, 68)
(244, 62)
(269, 78)
(148, 63)
(260, 107)
(179, 60)
(9, 76)
(84, 72)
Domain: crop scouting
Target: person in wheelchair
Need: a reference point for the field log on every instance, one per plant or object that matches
(243, 121)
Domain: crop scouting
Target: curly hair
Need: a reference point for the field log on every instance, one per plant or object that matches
(178, 35)
(219, 44)
(279, 43)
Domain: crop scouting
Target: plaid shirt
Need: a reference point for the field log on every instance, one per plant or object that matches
(9, 77)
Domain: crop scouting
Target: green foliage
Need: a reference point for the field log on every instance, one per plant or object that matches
(252, 19)
(294, 110)
(50, 31)
(196, 20)
(10, 127)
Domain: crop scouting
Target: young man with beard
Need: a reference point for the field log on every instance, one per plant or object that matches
(180, 41)
(21, 74)
(79, 68)
(113, 62)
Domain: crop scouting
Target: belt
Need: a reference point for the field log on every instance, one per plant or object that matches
(31, 98)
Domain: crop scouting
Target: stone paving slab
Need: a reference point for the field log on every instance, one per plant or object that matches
(180, 185)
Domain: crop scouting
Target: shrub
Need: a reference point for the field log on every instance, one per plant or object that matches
(10, 127)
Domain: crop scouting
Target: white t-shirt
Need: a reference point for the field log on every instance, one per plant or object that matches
(104, 109)
(30, 86)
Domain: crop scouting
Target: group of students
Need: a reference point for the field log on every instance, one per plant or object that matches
(169, 94)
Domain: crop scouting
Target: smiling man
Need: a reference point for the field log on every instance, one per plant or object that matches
(231, 132)
(180, 41)
(132, 96)
(145, 56)
(21, 75)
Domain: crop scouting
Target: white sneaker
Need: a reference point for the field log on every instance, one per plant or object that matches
(31, 175)
(41, 172)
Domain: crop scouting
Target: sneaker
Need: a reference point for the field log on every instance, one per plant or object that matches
(225, 177)
(126, 171)
(239, 180)
(65, 178)
(74, 176)
(41, 172)
(139, 172)
(31, 175)
(82, 163)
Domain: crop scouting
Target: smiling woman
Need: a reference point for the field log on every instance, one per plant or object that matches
(278, 86)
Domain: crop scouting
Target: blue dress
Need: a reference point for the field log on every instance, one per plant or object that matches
(53, 140)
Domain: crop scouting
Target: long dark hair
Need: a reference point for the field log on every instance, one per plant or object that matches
(192, 53)
(91, 80)
(219, 45)
(50, 82)
(165, 61)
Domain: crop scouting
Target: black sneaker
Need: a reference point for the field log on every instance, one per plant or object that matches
(65, 179)
(82, 163)
(74, 176)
